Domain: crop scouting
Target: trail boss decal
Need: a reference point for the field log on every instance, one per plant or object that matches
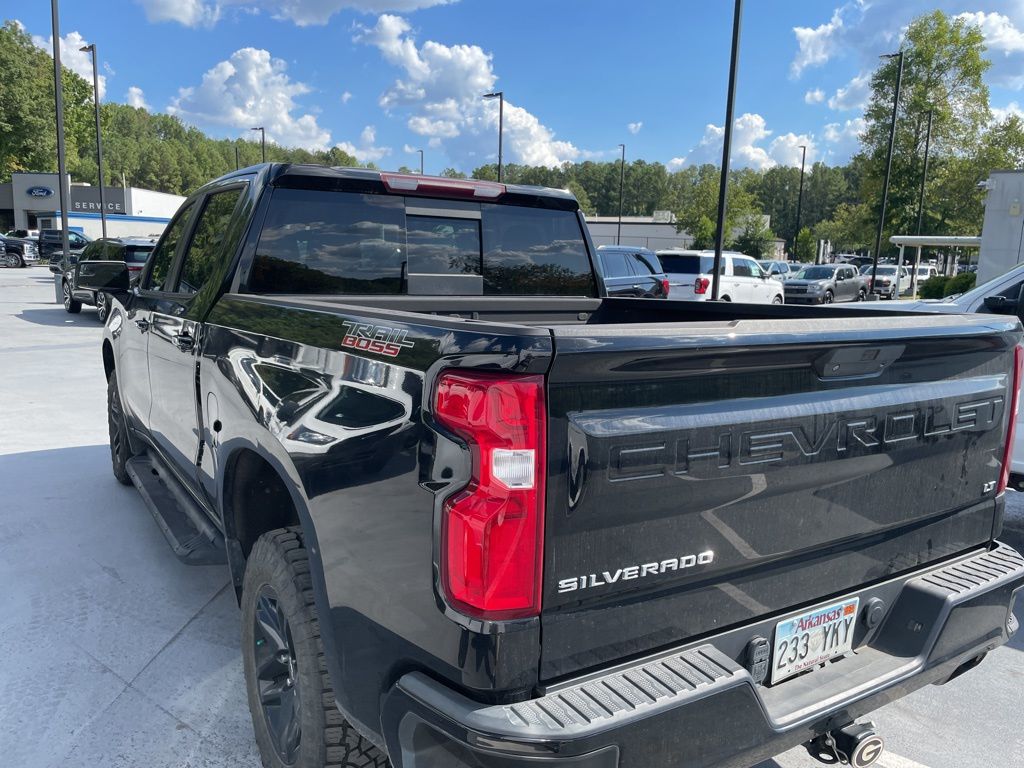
(379, 339)
(630, 572)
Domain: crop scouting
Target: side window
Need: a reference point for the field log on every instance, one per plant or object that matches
(92, 252)
(741, 268)
(640, 265)
(163, 255)
(615, 264)
(209, 240)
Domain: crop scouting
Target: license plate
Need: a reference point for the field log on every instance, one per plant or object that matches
(804, 641)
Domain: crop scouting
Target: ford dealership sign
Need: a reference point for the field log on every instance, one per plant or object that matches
(39, 192)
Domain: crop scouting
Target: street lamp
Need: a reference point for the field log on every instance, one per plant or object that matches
(920, 202)
(730, 100)
(799, 204)
(263, 141)
(91, 48)
(58, 103)
(622, 176)
(888, 166)
(421, 160)
(500, 96)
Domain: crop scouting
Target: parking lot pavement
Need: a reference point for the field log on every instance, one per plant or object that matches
(118, 655)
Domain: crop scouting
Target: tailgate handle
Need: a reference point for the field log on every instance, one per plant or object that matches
(859, 362)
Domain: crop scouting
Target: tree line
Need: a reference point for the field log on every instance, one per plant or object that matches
(943, 72)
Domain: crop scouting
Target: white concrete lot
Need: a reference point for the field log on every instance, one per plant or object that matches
(118, 655)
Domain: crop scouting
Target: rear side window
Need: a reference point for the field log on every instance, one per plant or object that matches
(640, 265)
(165, 250)
(135, 254)
(208, 242)
(614, 264)
(345, 243)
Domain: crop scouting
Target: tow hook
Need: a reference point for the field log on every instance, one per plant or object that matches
(856, 744)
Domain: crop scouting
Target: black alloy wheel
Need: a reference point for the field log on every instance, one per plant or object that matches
(70, 303)
(102, 306)
(827, 298)
(277, 674)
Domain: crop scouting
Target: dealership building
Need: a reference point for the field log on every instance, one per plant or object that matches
(32, 201)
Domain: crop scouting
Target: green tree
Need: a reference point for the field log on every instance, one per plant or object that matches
(756, 238)
(850, 228)
(942, 71)
(806, 247)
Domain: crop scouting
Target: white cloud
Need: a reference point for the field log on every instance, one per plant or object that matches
(367, 151)
(346, 97)
(814, 96)
(1005, 44)
(853, 95)
(302, 13)
(441, 87)
(190, 13)
(634, 128)
(843, 139)
(815, 45)
(78, 61)
(748, 146)
(249, 89)
(136, 98)
(1001, 113)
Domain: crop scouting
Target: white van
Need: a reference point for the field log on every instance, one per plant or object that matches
(742, 279)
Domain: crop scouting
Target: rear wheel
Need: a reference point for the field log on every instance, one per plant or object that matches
(120, 449)
(102, 306)
(294, 714)
(70, 304)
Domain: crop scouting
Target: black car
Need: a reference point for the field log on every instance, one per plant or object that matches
(16, 252)
(51, 242)
(477, 512)
(632, 271)
(132, 251)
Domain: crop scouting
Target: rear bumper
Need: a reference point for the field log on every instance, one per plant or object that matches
(699, 706)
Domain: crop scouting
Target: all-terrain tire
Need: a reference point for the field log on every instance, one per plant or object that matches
(279, 566)
(120, 448)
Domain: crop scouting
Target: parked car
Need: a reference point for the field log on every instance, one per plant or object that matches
(478, 513)
(632, 271)
(891, 281)
(825, 284)
(133, 252)
(19, 252)
(742, 279)
(854, 259)
(23, 234)
(777, 269)
(51, 242)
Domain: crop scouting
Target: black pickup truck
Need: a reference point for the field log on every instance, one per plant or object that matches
(479, 514)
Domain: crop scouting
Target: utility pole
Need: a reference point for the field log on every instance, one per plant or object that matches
(726, 147)
(237, 164)
(622, 177)
(799, 204)
(58, 101)
(888, 167)
(91, 48)
(500, 96)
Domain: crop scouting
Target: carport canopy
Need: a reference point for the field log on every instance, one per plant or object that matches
(930, 241)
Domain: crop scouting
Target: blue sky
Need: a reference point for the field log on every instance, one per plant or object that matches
(383, 77)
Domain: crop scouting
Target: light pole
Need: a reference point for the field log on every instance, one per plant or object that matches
(91, 48)
(421, 160)
(500, 96)
(58, 103)
(888, 166)
(263, 141)
(622, 176)
(726, 146)
(799, 204)
(920, 202)
(237, 163)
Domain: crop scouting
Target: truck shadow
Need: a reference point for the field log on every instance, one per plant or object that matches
(56, 316)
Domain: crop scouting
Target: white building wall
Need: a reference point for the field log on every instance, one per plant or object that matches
(645, 233)
(146, 202)
(1002, 234)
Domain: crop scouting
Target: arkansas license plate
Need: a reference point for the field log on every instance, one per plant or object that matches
(812, 638)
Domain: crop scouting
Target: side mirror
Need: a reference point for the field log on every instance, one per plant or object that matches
(106, 276)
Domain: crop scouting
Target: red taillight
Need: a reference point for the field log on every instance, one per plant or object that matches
(493, 528)
(1018, 362)
(700, 285)
(425, 185)
(665, 287)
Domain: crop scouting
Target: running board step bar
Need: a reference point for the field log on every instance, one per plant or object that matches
(185, 526)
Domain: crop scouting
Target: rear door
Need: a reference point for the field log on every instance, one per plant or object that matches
(618, 275)
(704, 475)
(646, 280)
(175, 333)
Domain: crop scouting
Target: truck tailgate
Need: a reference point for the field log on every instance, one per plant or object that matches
(705, 475)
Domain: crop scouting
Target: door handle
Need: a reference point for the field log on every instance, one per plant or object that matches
(184, 341)
(142, 324)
